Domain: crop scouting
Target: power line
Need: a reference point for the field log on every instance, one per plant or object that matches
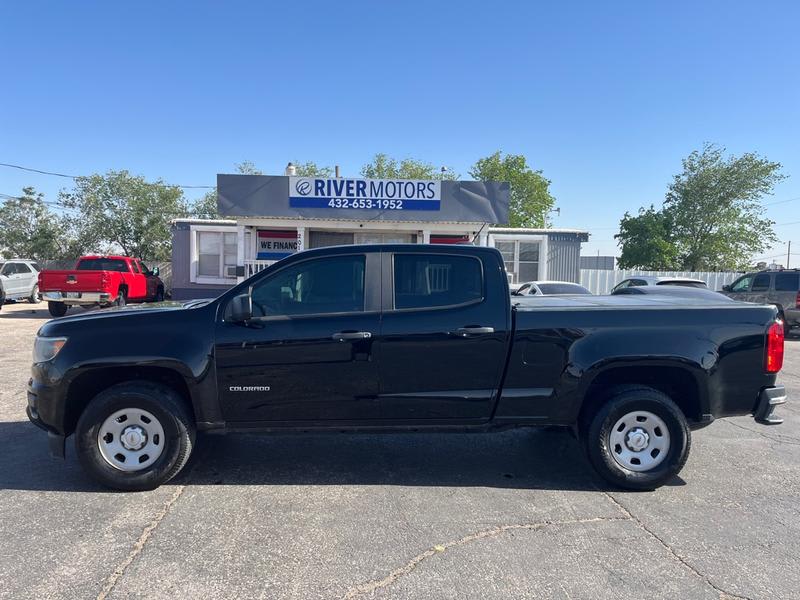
(64, 175)
(782, 201)
(186, 213)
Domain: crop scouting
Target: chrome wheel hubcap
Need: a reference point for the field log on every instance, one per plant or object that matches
(131, 439)
(639, 441)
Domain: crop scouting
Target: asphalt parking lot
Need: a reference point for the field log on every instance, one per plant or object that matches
(513, 514)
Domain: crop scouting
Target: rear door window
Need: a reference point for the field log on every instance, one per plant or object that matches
(436, 280)
(23, 268)
(787, 282)
(761, 282)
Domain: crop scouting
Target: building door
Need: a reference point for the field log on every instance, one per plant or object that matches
(321, 239)
(365, 237)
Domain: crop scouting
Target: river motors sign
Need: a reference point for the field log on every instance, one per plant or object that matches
(364, 194)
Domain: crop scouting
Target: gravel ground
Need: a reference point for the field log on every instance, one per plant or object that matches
(513, 514)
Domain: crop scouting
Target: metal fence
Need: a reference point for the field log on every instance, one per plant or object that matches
(600, 281)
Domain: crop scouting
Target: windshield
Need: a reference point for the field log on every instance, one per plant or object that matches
(103, 264)
(552, 289)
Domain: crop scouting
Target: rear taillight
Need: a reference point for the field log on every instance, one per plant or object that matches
(774, 359)
(797, 300)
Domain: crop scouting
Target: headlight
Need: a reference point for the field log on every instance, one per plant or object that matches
(46, 348)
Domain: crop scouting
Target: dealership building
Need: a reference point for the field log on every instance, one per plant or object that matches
(267, 218)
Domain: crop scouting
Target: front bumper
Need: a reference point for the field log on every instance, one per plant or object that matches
(79, 298)
(46, 411)
(767, 401)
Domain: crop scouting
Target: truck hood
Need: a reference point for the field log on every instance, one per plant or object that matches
(144, 312)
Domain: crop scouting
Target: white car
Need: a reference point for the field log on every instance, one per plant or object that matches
(550, 288)
(642, 280)
(19, 279)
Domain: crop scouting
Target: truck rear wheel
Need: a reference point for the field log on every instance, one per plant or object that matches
(134, 436)
(122, 297)
(639, 439)
(57, 309)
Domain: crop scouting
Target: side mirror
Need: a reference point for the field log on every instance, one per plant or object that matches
(156, 271)
(241, 308)
(726, 288)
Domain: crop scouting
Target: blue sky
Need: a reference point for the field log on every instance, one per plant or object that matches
(604, 97)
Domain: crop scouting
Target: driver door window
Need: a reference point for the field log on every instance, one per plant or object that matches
(742, 285)
(321, 286)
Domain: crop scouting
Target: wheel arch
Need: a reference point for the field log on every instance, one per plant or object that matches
(83, 388)
(682, 382)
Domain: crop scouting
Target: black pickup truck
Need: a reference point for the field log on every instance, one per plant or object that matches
(401, 337)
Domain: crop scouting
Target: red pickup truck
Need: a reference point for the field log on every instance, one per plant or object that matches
(100, 280)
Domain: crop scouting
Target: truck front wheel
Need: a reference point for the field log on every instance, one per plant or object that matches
(57, 309)
(639, 439)
(134, 436)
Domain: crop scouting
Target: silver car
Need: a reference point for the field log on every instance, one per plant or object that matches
(19, 279)
(643, 280)
(550, 288)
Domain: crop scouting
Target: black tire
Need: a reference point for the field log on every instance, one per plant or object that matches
(163, 403)
(57, 309)
(122, 297)
(159, 295)
(34, 297)
(597, 435)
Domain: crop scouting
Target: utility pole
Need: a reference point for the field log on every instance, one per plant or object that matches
(788, 253)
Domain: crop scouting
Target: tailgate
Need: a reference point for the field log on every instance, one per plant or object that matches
(73, 281)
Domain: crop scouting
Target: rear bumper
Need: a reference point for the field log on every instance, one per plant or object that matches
(767, 401)
(792, 317)
(82, 297)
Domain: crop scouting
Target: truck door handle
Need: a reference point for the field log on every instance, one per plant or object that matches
(351, 335)
(468, 331)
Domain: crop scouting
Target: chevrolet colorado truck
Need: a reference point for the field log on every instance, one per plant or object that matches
(100, 280)
(401, 337)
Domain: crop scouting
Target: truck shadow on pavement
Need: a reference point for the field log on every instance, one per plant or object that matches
(26, 313)
(518, 459)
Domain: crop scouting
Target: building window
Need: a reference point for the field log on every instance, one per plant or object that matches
(521, 259)
(214, 255)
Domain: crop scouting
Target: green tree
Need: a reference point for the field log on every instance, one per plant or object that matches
(713, 211)
(531, 200)
(206, 207)
(29, 229)
(312, 169)
(385, 167)
(647, 241)
(120, 211)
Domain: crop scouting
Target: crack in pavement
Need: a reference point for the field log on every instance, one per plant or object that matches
(723, 594)
(119, 571)
(371, 586)
(780, 438)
